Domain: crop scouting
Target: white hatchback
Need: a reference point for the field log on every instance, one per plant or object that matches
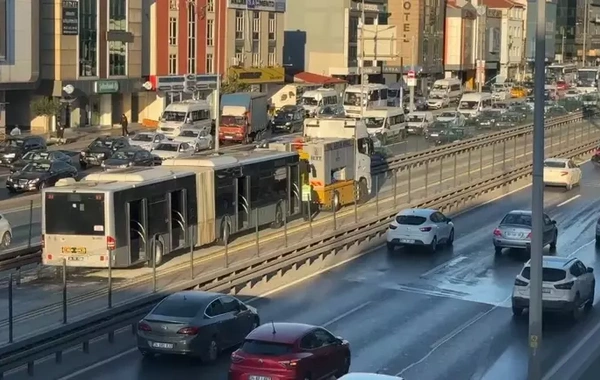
(561, 172)
(567, 286)
(420, 227)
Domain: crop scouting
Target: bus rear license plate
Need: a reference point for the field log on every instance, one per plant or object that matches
(75, 258)
(76, 250)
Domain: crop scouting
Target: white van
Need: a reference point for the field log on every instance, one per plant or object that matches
(385, 123)
(188, 113)
(321, 97)
(291, 94)
(450, 87)
(418, 122)
(473, 103)
(376, 96)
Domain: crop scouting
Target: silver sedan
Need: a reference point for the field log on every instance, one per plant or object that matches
(514, 231)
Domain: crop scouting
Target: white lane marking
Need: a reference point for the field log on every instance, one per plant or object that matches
(568, 200)
(344, 315)
(451, 336)
(582, 247)
(99, 364)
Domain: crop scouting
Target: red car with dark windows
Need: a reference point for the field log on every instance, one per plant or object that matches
(290, 351)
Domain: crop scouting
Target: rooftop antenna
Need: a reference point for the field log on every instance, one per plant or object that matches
(273, 325)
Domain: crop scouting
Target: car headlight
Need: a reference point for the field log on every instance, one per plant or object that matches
(124, 166)
(288, 124)
(9, 155)
(33, 180)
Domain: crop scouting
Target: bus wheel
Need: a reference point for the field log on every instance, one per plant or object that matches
(278, 221)
(225, 232)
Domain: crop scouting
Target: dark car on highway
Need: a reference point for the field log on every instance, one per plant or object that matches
(38, 175)
(508, 120)
(522, 109)
(289, 119)
(101, 149)
(486, 120)
(196, 323)
(434, 130)
(291, 351)
(35, 156)
(13, 148)
(125, 158)
(451, 135)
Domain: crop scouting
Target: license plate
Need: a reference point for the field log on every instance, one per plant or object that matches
(77, 250)
(408, 241)
(162, 345)
(228, 137)
(546, 291)
(75, 258)
(254, 377)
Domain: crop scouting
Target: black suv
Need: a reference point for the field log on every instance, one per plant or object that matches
(289, 119)
(13, 148)
(100, 149)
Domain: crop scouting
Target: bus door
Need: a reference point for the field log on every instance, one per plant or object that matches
(242, 189)
(178, 228)
(137, 215)
(294, 189)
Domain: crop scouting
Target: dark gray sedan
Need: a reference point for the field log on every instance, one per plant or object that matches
(35, 156)
(514, 231)
(196, 323)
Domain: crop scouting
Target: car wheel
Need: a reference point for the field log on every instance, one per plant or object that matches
(517, 311)
(569, 186)
(498, 250)
(578, 305)
(597, 240)
(390, 247)
(42, 185)
(345, 368)
(450, 241)
(6, 239)
(553, 243)
(433, 246)
(212, 351)
(590, 301)
(147, 354)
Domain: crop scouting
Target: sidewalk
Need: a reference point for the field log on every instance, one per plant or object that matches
(76, 136)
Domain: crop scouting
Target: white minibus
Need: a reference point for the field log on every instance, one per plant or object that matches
(376, 96)
(321, 97)
(450, 87)
(188, 113)
(385, 123)
(473, 103)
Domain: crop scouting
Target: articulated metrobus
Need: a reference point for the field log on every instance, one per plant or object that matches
(565, 72)
(146, 213)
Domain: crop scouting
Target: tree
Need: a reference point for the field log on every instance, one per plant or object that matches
(46, 107)
(233, 84)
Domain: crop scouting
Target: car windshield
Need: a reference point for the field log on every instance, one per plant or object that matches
(37, 167)
(468, 105)
(167, 147)
(499, 106)
(233, 120)
(440, 86)
(447, 114)
(415, 119)
(123, 155)
(548, 274)
(554, 164)
(519, 219)
(144, 137)
(411, 220)
(435, 97)
(178, 307)
(284, 116)
(173, 116)
(36, 156)
(101, 143)
(189, 133)
(262, 348)
(374, 122)
(488, 113)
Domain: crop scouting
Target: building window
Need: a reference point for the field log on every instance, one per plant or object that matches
(210, 6)
(191, 64)
(117, 50)
(353, 30)
(272, 26)
(239, 55)
(210, 63)
(272, 56)
(256, 54)
(239, 25)
(255, 26)
(3, 29)
(210, 32)
(88, 38)
(172, 31)
(172, 64)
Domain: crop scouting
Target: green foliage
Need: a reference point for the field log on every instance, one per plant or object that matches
(232, 84)
(45, 106)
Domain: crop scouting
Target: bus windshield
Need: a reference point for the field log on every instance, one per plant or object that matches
(352, 99)
(309, 101)
(74, 214)
(468, 105)
(374, 122)
(587, 76)
(173, 116)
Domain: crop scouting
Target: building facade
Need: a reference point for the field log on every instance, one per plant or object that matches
(19, 59)
(550, 31)
(512, 52)
(592, 40)
(460, 39)
(494, 43)
(93, 47)
(322, 37)
(566, 23)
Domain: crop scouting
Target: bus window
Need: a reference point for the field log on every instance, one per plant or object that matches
(75, 214)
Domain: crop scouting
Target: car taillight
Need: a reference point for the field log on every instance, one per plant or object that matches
(562, 174)
(497, 232)
(288, 364)
(425, 229)
(565, 286)
(520, 282)
(188, 331)
(392, 227)
(143, 326)
(236, 358)
(529, 235)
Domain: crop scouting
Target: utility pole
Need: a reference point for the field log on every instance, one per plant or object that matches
(585, 32)
(562, 46)
(537, 200)
(413, 68)
(217, 92)
(361, 65)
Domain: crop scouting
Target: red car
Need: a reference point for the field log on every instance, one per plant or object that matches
(290, 351)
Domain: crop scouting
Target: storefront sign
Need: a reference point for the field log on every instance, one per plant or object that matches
(371, 70)
(407, 33)
(391, 70)
(190, 82)
(258, 5)
(258, 75)
(106, 87)
(70, 17)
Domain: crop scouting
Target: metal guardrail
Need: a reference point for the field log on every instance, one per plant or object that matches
(26, 352)
(18, 258)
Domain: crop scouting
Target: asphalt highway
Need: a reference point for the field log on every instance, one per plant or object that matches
(410, 313)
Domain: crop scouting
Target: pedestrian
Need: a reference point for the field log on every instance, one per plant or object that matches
(16, 131)
(60, 133)
(124, 123)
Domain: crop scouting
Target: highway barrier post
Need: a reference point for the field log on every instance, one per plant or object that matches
(192, 244)
(454, 173)
(356, 189)
(426, 178)
(30, 224)
(257, 232)
(408, 182)
(109, 290)
(503, 156)
(285, 230)
(395, 187)
(481, 162)
(64, 292)
(441, 173)
(493, 157)
(514, 152)
(334, 209)
(10, 309)
(153, 248)
(227, 252)
(469, 166)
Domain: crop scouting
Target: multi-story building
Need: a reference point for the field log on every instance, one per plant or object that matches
(322, 36)
(592, 32)
(566, 21)
(530, 30)
(494, 43)
(19, 59)
(420, 44)
(460, 40)
(93, 47)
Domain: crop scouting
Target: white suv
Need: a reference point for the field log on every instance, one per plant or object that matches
(420, 227)
(567, 286)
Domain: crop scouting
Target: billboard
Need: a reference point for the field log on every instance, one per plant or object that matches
(532, 14)
(380, 42)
